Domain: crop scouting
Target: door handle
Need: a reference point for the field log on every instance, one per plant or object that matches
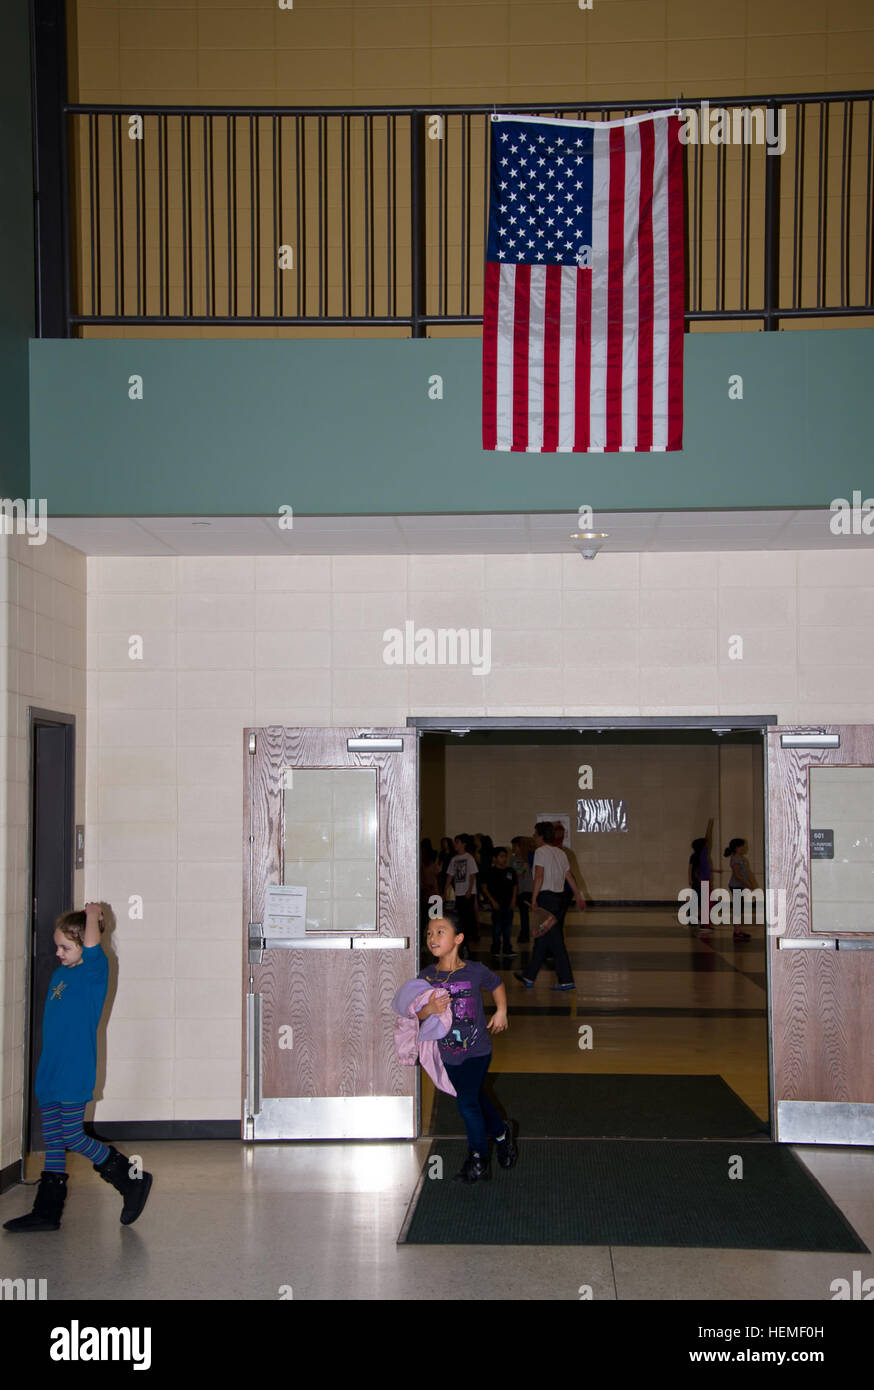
(333, 943)
(256, 944)
(253, 1047)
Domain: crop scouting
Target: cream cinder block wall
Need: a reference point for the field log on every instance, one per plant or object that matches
(42, 664)
(299, 640)
(670, 791)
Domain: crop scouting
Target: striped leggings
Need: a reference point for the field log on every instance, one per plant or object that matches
(62, 1130)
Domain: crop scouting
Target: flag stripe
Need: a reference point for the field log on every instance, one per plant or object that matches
(645, 290)
(596, 329)
(536, 366)
(504, 373)
(630, 307)
(583, 363)
(661, 301)
(492, 291)
(678, 282)
(615, 273)
(570, 350)
(551, 355)
(521, 317)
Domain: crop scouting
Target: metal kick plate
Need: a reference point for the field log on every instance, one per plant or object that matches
(336, 1117)
(824, 1122)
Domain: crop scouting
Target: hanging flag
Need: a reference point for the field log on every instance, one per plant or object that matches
(584, 286)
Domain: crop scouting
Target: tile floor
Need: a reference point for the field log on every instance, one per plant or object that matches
(228, 1221)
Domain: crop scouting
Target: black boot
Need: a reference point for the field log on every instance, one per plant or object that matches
(474, 1169)
(505, 1149)
(115, 1169)
(47, 1207)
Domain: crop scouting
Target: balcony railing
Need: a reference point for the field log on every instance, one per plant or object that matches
(376, 217)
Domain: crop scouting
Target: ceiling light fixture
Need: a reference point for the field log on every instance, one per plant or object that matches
(588, 543)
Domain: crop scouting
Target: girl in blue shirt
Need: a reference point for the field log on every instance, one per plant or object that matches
(67, 1072)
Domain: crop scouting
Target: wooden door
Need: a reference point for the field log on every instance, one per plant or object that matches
(331, 813)
(821, 961)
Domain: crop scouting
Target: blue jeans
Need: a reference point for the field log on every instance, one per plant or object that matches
(524, 903)
(474, 1106)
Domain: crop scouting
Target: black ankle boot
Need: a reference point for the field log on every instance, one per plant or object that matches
(47, 1207)
(505, 1149)
(474, 1169)
(115, 1169)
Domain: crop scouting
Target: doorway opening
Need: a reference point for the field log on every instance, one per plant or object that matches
(677, 1008)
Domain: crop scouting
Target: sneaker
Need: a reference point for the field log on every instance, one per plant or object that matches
(474, 1169)
(564, 987)
(505, 1149)
(741, 936)
(517, 975)
(508, 955)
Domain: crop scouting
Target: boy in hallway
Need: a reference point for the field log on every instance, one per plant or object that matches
(500, 888)
(462, 874)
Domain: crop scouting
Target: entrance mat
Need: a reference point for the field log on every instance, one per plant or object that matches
(571, 1105)
(603, 1192)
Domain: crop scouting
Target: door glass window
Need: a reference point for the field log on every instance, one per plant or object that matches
(329, 845)
(842, 849)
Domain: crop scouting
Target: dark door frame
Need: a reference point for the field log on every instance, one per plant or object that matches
(715, 723)
(43, 718)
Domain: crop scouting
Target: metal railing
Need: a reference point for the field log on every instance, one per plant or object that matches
(313, 216)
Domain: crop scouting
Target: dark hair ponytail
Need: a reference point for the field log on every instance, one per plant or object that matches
(733, 845)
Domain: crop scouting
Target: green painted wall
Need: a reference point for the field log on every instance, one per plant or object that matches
(346, 426)
(16, 246)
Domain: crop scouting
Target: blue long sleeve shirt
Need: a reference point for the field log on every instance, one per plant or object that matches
(67, 1068)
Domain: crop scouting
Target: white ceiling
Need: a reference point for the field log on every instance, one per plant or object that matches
(541, 533)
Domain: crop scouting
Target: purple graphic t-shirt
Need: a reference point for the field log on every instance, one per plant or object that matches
(468, 1036)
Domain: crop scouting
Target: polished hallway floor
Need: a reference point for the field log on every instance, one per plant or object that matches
(251, 1222)
(659, 998)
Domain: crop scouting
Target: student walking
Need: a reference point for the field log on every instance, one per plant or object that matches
(741, 877)
(525, 883)
(500, 890)
(67, 1073)
(701, 873)
(466, 1050)
(462, 874)
(429, 880)
(444, 858)
(551, 872)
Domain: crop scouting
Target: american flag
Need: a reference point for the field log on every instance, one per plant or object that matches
(584, 286)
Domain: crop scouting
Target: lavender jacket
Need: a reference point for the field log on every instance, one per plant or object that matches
(415, 1040)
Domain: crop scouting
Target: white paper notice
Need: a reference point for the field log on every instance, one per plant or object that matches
(285, 913)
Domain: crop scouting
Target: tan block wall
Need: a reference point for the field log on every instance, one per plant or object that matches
(234, 52)
(42, 663)
(243, 641)
(670, 792)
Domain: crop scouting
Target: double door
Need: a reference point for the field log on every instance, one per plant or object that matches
(331, 902)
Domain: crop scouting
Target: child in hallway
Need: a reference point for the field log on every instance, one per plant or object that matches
(741, 878)
(466, 1050)
(67, 1073)
(500, 890)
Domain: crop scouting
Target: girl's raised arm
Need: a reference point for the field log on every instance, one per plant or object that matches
(93, 917)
